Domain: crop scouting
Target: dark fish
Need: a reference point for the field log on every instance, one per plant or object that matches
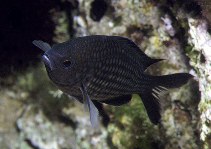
(106, 69)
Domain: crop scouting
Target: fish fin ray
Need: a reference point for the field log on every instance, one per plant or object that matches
(156, 88)
(118, 101)
(88, 104)
(93, 113)
(42, 45)
(152, 106)
(104, 115)
(159, 91)
(151, 101)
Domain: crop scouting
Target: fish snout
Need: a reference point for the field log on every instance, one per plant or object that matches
(48, 63)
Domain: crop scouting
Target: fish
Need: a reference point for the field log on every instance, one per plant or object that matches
(109, 70)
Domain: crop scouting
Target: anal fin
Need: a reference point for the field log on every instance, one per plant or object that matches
(104, 115)
(118, 101)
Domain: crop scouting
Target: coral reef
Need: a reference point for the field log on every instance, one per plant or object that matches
(34, 114)
(200, 39)
(158, 34)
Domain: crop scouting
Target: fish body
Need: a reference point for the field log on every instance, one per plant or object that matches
(107, 69)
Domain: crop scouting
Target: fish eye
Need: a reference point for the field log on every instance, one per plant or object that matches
(67, 63)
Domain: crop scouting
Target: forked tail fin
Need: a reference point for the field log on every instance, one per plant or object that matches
(156, 85)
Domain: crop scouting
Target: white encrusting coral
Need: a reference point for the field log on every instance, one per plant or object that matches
(200, 39)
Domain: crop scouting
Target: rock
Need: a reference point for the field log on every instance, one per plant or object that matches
(10, 109)
(41, 133)
(200, 39)
(86, 136)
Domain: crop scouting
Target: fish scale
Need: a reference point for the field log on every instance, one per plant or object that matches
(124, 85)
(107, 69)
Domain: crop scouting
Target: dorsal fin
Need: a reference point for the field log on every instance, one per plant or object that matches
(42, 45)
(151, 61)
(146, 61)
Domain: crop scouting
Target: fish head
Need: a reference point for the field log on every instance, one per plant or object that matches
(62, 66)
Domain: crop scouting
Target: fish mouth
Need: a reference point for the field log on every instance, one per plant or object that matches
(47, 61)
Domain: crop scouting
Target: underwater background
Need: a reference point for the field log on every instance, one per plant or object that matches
(34, 114)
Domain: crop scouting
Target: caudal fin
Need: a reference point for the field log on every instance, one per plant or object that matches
(171, 81)
(157, 85)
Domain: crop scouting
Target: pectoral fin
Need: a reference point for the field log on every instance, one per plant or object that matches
(93, 111)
